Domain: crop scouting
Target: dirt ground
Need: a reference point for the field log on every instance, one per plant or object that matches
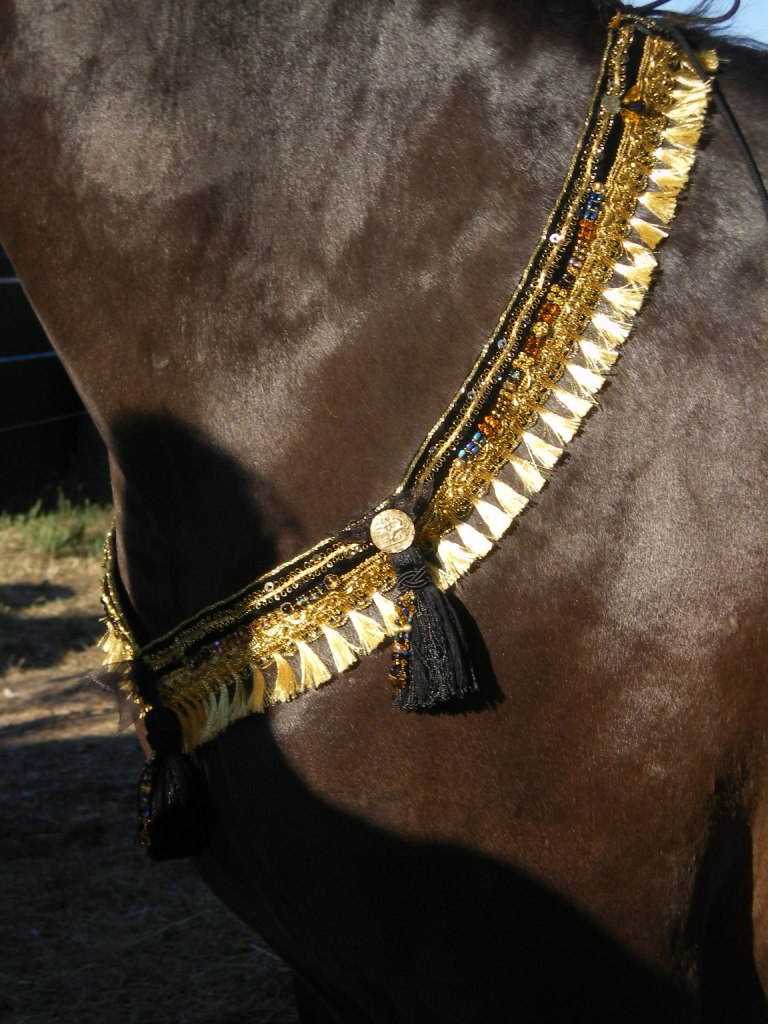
(91, 931)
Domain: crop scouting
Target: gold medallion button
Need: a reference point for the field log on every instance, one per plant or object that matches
(392, 530)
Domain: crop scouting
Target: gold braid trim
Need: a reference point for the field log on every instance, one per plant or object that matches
(527, 394)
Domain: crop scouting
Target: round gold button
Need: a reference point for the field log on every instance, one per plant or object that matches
(392, 530)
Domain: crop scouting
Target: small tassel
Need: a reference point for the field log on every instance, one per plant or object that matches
(563, 427)
(191, 715)
(217, 716)
(369, 633)
(611, 332)
(679, 161)
(542, 452)
(667, 180)
(684, 136)
(114, 649)
(599, 359)
(641, 257)
(709, 60)
(530, 477)
(691, 82)
(473, 540)
(387, 611)
(626, 300)
(240, 707)
(660, 204)
(258, 690)
(430, 658)
(173, 803)
(587, 379)
(497, 521)
(508, 498)
(575, 403)
(455, 558)
(688, 107)
(639, 276)
(314, 671)
(343, 655)
(651, 234)
(286, 683)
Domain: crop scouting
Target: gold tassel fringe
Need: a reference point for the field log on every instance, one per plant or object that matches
(286, 684)
(587, 379)
(258, 690)
(496, 520)
(314, 671)
(530, 477)
(542, 452)
(563, 427)
(508, 498)
(387, 611)
(473, 540)
(369, 632)
(455, 558)
(341, 652)
(575, 403)
(597, 358)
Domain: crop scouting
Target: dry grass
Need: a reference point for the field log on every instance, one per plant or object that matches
(91, 931)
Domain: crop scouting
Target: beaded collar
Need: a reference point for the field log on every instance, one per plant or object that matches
(533, 382)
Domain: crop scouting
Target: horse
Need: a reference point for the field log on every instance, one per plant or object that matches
(266, 240)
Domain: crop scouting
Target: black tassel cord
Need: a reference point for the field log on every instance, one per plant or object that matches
(173, 802)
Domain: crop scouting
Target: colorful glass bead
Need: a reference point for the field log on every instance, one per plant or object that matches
(405, 610)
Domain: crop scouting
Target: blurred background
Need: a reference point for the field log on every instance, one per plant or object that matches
(48, 445)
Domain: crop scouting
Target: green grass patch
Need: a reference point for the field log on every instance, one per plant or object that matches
(65, 530)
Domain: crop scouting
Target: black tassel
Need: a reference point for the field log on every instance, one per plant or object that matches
(431, 660)
(173, 796)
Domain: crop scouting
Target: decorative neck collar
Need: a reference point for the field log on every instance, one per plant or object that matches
(523, 400)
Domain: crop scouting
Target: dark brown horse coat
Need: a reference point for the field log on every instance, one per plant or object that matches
(267, 240)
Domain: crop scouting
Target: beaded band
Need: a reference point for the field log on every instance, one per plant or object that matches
(308, 620)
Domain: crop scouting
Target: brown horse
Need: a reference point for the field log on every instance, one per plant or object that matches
(267, 240)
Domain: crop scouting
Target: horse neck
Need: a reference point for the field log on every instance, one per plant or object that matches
(280, 243)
